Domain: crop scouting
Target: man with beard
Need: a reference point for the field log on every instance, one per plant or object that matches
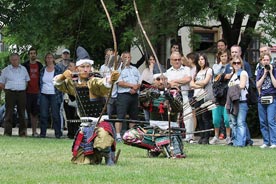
(33, 67)
(160, 99)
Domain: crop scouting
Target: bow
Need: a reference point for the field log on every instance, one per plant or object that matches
(115, 57)
(157, 61)
(146, 36)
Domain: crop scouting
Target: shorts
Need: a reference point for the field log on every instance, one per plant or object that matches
(32, 104)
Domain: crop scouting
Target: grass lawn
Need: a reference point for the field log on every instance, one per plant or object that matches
(34, 160)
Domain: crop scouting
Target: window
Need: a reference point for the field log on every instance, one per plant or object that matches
(203, 40)
(253, 54)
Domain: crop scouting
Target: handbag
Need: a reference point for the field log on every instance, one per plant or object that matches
(266, 100)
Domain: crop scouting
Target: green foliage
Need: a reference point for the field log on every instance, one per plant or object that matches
(268, 24)
(33, 160)
(47, 25)
(4, 59)
(195, 40)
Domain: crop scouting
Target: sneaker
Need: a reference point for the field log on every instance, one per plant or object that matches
(221, 136)
(186, 140)
(35, 134)
(215, 140)
(272, 146)
(265, 146)
(228, 140)
(119, 140)
(191, 141)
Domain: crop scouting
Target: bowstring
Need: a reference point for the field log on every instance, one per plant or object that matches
(79, 105)
(79, 27)
(143, 46)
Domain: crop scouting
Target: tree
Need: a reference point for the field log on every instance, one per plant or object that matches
(232, 14)
(49, 24)
(238, 18)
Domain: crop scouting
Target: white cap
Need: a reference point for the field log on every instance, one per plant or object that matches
(65, 50)
(82, 61)
(158, 75)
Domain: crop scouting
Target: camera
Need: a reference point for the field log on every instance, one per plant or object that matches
(75, 75)
(267, 67)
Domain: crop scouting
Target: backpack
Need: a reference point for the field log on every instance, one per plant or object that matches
(220, 86)
(252, 95)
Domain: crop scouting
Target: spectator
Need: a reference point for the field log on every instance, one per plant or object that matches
(50, 97)
(63, 64)
(147, 76)
(180, 76)
(266, 107)
(236, 52)
(263, 50)
(221, 45)
(175, 47)
(14, 80)
(105, 68)
(220, 112)
(191, 63)
(201, 83)
(238, 108)
(33, 67)
(127, 99)
(70, 108)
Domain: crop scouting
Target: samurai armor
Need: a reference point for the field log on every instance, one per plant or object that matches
(87, 107)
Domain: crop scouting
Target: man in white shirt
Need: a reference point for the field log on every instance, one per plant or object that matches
(13, 81)
(180, 76)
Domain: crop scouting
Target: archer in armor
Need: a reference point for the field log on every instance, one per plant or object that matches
(158, 137)
(93, 140)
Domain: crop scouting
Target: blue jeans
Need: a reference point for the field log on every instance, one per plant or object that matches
(267, 119)
(48, 102)
(238, 125)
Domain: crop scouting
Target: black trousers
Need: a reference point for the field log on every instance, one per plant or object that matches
(71, 114)
(18, 99)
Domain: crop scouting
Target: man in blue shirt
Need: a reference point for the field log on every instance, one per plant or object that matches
(128, 88)
(236, 52)
(14, 80)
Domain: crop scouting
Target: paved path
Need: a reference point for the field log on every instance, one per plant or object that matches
(51, 134)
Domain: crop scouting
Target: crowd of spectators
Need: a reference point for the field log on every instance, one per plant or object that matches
(192, 75)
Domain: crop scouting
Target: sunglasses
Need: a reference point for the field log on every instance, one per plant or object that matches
(236, 63)
(160, 78)
(176, 59)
